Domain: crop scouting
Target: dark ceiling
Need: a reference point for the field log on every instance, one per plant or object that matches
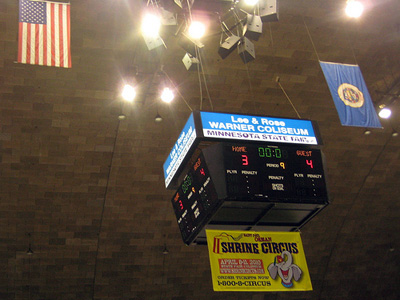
(85, 190)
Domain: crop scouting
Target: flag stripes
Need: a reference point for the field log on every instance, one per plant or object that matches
(44, 34)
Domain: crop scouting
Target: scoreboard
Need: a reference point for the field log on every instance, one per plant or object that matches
(269, 174)
(245, 172)
(274, 172)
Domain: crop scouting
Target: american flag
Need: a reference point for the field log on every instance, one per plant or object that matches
(44, 33)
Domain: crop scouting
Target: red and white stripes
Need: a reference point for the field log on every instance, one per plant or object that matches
(47, 44)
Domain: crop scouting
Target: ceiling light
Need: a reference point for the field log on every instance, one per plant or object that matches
(196, 30)
(251, 2)
(354, 8)
(167, 95)
(151, 24)
(385, 113)
(158, 118)
(165, 251)
(128, 93)
(29, 251)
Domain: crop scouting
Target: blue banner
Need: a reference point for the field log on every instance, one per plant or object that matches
(350, 95)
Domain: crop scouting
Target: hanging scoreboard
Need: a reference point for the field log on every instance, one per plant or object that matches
(258, 172)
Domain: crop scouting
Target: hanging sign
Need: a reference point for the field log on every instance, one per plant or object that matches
(256, 128)
(180, 150)
(257, 261)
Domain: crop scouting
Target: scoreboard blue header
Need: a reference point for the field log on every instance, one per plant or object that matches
(233, 127)
(255, 128)
(180, 150)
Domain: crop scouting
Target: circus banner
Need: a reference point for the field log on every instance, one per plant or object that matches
(257, 261)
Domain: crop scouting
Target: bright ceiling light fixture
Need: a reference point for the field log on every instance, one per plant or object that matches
(251, 2)
(167, 95)
(196, 30)
(354, 8)
(128, 93)
(385, 113)
(151, 24)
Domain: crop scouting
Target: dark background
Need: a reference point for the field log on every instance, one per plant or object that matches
(86, 191)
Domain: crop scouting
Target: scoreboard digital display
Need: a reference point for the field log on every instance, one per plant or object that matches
(194, 199)
(285, 173)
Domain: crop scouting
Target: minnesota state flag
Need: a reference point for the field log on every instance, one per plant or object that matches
(350, 95)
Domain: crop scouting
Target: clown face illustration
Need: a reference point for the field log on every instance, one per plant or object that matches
(285, 268)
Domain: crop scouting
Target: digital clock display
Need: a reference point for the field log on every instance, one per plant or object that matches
(283, 173)
(194, 199)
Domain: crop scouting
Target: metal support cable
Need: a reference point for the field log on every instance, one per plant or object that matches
(103, 209)
(287, 97)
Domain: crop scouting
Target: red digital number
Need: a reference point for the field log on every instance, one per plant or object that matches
(202, 172)
(180, 204)
(197, 164)
(245, 160)
(176, 197)
(310, 163)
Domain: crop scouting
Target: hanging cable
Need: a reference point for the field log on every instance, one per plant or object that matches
(245, 62)
(270, 33)
(251, 88)
(183, 98)
(189, 10)
(199, 79)
(205, 80)
(103, 209)
(351, 46)
(312, 42)
(287, 97)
